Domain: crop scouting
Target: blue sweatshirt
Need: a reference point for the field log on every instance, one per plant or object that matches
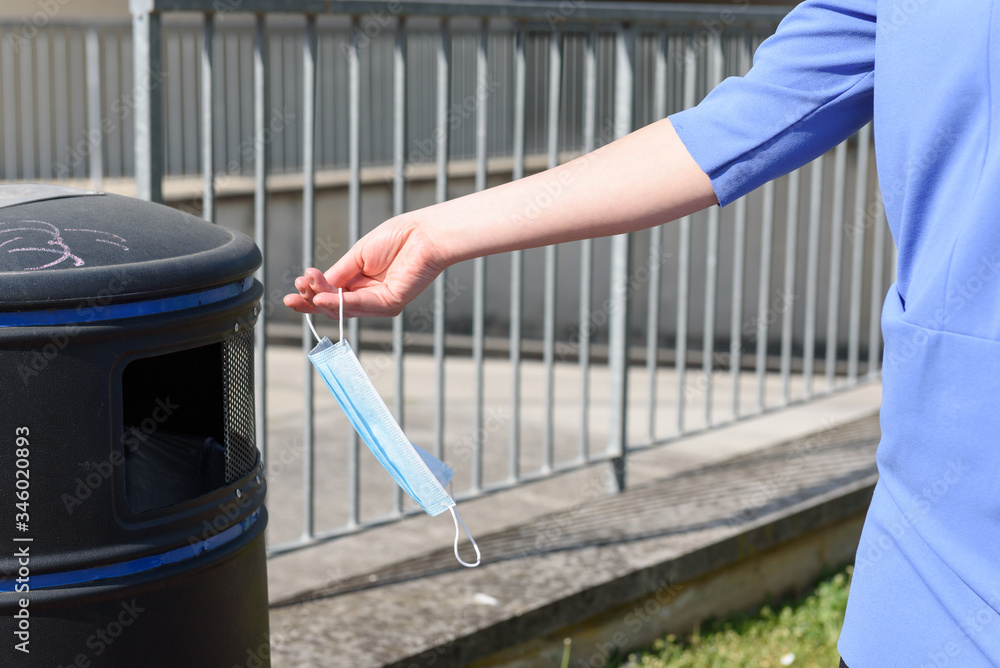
(926, 589)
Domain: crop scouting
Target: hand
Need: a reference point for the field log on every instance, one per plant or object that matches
(381, 274)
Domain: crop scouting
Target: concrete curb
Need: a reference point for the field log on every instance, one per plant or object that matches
(577, 572)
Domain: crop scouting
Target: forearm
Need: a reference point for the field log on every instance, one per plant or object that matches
(639, 181)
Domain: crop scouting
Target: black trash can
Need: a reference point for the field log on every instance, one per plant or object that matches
(132, 516)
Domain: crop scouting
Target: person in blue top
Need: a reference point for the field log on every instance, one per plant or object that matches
(926, 586)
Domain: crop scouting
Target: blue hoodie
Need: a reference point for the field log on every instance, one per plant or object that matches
(926, 589)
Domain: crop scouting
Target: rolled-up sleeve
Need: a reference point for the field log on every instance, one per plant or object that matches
(810, 87)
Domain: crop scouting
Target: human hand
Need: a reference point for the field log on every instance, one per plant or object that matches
(380, 274)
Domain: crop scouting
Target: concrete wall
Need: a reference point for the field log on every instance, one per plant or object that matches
(63, 9)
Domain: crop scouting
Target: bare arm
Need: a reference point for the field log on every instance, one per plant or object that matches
(639, 181)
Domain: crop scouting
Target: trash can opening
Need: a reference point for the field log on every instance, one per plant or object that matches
(187, 423)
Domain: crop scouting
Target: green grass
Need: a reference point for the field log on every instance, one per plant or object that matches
(801, 633)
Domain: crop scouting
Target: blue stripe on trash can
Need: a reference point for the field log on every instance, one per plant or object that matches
(125, 568)
(89, 313)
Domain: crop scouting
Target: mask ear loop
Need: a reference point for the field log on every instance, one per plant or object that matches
(309, 320)
(458, 520)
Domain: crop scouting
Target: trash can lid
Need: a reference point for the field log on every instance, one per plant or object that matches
(62, 247)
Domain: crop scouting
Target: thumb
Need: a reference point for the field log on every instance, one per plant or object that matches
(344, 269)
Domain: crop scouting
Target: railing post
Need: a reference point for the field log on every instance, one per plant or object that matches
(441, 194)
(207, 118)
(353, 234)
(516, 259)
(399, 144)
(96, 157)
(551, 258)
(618, 318)
(309, 50)
(261, 160)
(479, 264)
(147, 75)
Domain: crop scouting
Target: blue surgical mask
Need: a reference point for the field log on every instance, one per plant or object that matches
(421, 475)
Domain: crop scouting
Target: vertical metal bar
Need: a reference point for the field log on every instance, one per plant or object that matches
(587, 245)
(441, 191)
(147, 76)
(26, 96)
(398, 207)
(836, 234)
(877, 295)
(353, 234)
(185, 118)
(11, 163)
(176, 130)
(62, 99)
(764, 290)
(114, 89)
(308, 240)
(207, 117)
(516, 261)
(228, 142)
(715, 62)
(858, 252)
(43, 112)
(479, 264)
(95, 136)
(736, 313)
(618, 318)
(655, 249)
(76, 73)
(260, 145)
(549, 280)
(812, 271)
(745, 53)
(788, 290)
(684, 252)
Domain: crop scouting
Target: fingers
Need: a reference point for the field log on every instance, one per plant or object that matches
(360, 303)
(317, 281)
(297, 303)
(309, 286)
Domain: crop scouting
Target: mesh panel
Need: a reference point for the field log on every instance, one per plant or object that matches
(238, 399)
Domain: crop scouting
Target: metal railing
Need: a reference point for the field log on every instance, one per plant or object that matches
(664, 58)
